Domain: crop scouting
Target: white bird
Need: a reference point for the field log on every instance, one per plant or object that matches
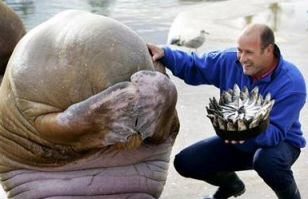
(195, 43)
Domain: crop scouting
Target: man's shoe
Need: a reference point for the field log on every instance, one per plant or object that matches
(290, 192)
(235, 189)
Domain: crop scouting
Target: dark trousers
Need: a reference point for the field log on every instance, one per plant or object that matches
(212, 156)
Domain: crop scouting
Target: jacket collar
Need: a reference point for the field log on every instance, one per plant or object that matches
(269, 77)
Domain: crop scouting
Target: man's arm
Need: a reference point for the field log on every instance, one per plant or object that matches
(210, 68)
(284, 118)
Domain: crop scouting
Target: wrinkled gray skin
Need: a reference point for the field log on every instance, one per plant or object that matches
(84, 114)
(11, 31)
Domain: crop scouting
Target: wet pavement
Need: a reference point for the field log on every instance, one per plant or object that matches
(291, 37)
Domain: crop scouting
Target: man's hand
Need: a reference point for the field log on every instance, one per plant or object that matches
(234, 141)
(155, 51)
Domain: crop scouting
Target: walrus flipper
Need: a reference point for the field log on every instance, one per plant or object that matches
(139, 108)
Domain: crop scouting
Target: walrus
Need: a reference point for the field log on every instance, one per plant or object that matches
(85, 113)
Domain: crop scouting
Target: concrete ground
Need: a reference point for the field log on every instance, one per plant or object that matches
(292, 38)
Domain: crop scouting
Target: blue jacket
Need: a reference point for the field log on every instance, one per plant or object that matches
(222, 69)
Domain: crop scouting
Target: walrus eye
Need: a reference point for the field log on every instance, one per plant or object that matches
(240, 115)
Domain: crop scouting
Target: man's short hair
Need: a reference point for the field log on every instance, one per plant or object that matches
(267, 37)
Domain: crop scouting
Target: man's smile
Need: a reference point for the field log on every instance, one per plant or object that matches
(247, 66)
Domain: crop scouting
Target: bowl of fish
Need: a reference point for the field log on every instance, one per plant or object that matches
(240, 114)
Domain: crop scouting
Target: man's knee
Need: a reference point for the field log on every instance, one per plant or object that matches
(273, 168)
(180, 165)
(265, 163)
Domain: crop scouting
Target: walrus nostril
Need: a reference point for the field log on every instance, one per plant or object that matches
(136, 122)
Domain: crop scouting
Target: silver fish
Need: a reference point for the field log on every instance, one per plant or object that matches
(231, 126)
(236, 92)
(244, 93)
(259, 100)
(241, 126)
(225, 98)
(221, 123)
(238, 110)
(255, 122)
(267, 98)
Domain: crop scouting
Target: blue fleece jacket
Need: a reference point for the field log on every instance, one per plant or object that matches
(222, 69)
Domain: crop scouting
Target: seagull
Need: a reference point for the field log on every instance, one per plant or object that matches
(195, 43)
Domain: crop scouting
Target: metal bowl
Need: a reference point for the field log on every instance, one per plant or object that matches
(240, 115)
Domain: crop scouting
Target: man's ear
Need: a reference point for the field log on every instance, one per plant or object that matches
(270, 49)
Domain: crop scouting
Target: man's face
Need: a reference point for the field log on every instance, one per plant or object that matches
(254, 60)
